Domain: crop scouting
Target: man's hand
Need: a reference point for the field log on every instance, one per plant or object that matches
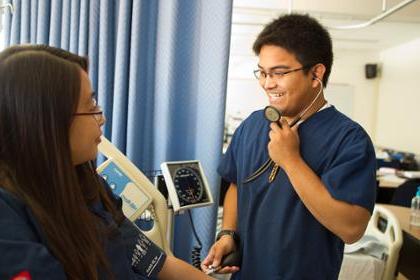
(283, 147)
(221, 248)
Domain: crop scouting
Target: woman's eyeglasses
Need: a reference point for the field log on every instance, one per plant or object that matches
(97, 113)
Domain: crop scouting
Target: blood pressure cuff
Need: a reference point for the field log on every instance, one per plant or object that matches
(146, 258)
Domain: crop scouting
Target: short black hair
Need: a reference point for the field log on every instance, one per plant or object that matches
(302, 36)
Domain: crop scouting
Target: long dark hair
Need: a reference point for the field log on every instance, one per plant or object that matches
(39, 93)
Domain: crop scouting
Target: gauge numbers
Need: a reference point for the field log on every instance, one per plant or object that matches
(188, 185)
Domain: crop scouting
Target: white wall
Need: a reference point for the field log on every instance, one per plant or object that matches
(244, 95)
(349, 69)
(398, 116)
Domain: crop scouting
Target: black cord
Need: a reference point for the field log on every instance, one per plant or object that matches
(196, 251)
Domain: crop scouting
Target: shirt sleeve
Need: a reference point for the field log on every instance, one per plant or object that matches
(228, 167)
(351, 176)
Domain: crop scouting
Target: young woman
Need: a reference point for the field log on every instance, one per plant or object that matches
(58, 220)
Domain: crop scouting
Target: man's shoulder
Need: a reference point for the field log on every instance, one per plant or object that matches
(337, 121)
(255, 116)
(250, 123)
(254, 120)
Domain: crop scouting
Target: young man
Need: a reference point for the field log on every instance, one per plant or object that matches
(293, 218)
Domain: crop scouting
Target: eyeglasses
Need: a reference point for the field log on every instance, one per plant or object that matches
(277, 75)
(97, 113)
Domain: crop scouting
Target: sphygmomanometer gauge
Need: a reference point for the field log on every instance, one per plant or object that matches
(188, 185)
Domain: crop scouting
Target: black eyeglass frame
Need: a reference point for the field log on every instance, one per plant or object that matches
(99, 113)
(281, 73)
(89, 113)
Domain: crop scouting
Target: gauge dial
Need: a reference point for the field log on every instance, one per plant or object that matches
(188, 185)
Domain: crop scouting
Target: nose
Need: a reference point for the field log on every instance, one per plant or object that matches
(102, 120)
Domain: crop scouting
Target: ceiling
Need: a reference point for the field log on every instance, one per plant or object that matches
(249, 17)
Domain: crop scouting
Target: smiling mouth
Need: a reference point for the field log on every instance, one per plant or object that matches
(275, 94)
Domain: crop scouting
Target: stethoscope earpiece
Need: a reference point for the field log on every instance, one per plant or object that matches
(318, 79)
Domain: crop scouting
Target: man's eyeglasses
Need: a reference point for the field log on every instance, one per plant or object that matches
(276, 75)
(97, 112)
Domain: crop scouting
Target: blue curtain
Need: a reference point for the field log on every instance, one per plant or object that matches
(159, 68)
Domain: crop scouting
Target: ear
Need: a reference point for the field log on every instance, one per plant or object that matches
(318, 71)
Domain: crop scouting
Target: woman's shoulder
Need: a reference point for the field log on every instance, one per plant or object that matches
(16, 219)
(25, 249)
(11, 207)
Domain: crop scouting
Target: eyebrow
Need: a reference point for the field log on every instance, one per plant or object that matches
(275, 67)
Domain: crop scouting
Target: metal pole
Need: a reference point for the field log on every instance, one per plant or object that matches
(375, 19)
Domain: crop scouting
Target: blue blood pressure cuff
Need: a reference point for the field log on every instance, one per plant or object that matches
(146, 258)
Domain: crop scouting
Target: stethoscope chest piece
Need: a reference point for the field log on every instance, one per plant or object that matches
(272, 114)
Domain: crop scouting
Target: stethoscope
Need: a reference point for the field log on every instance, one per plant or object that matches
(274, 115)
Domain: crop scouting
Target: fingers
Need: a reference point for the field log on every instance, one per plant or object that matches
(204, 267)
(279, 126)
(228, 269)
(275, 126)
(276, 129)
(214, 257)
(211, 264)
(218, 255)
(209, 259)
(284, 124)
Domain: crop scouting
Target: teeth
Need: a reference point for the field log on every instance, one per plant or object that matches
(275, 94)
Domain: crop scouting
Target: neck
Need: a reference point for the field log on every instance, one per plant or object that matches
(314, 107)
(318, 104)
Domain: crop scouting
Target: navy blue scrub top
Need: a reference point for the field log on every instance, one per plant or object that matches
(24, 248)
(280, 239)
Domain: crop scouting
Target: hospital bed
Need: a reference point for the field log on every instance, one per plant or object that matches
(376, 254)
